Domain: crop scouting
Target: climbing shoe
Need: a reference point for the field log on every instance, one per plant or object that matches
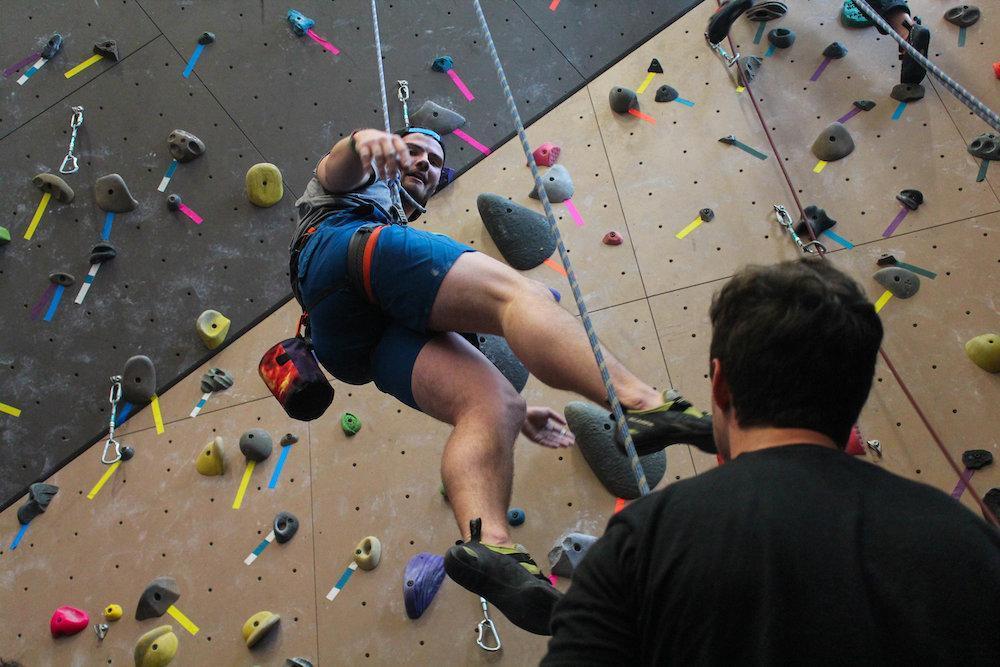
(507, 578)
(910, 71)
(722, 20)
(675, 422)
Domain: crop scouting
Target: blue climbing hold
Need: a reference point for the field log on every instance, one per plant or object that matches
(556, 295)
(515, 516)
(442, 64)
(300, 22)
(421, 580)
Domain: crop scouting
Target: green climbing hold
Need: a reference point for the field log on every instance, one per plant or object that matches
(852, 17)
(4, 236)
(350, 423)
(984, 351)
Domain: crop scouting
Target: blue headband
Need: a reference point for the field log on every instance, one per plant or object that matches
(427, 133)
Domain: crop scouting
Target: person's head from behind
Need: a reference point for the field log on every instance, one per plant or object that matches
(422, 174)
(793, 347)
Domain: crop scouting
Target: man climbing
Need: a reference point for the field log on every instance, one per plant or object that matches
(384, 301)
(897, 14)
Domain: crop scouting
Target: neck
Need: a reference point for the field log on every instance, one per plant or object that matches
(765, 437)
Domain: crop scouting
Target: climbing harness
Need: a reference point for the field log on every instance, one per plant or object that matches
(486, 628)
(785, 221)
(114, 397)
(588, 325)
(70, 164)
(403, 93)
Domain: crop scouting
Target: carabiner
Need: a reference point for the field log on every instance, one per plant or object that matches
(71, 160)
(77, 119)
(486, 628)
(403, 90)
(113, 397)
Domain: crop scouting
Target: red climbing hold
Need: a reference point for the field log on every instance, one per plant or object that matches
(996, 69)
(68, 621)
(855, 445)
(612, 238)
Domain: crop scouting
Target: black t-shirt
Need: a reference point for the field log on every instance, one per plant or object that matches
(789, 555)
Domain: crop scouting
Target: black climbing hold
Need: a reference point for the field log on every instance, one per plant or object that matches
(174, 202)
(816, 219)
(139, 380)
(836, 50)
(623, 99)
(911, 199)
(28, 511)
(39, 497)
(901, 282)
(907, 92)
(748, 67)
(521, 235)
(422, 578)
(443, 64)
(216, 379)
(288, 439)
(963, 15)
(666, 93)
(108, 48)
(297, 662)
(515, 516)
(706, 215)
(285, 526)
(728, 139)
(976, 458)
(655, 66)
(833, 143)
(864, 105)
(184, 146)
(568, 552)
(206, 38)
(781, 38)
(127, 452)
(256, 444)
(53, 46)
(986, 146)
(992, 502)
(157, 598)
(102, 252)
(496, 349)
(767, 11)
(885, 259)
(435, 117)
(59, 278)
(557, 183)
(722, 20)
(111, 194)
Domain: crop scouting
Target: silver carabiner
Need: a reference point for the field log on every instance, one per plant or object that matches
(403, 93)
(487, 628)
(70, 165)
(113, 397)
(73, 164)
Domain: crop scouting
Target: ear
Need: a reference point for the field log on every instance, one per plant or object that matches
(720, 387)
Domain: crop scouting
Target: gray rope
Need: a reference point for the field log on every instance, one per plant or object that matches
(393, 183)
(588, 326)
(967, 98)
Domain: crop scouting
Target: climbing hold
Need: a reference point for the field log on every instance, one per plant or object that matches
(59, 278)
(288, 439)
(39, 497)
(350, 423)
(911, 199)
(767, 11)
(139, 380)
(157, 598)
(112, 194)
(864, 105)
(210, 461)
(655, 66)
(852, 17)
(256, 444)
(113, 612)
(443, 64)
(569, 550)
(901, 282)
(368, 553)
(102, 252)
(547, 154)
(522, 236)
(976, 458)
(996, 69)
(907, 92)
(984, 351)
(781, 38)
(216, 379)
(264, 184)
(155, 648)
(833, 143)
(4, 236)
(67, 621)
(855, 443)
(706, 215)
(433, 116)
(496, 349)
(206, 38)
(992, 501)
(174, 202)
(986, 146)
(300, 22)
(297, 662)
(421, 580)
(212, 327)
(259, 625)
(748, 66)
(52, 47)
(594, 429)
(835, 50)
(885, 259)
(515, 516)
(962, 15)
(729, 140)
(184, 146)
(558, 185)
(723, 19)
(285, 526)
(623, 99)
(612, 238)
(55, 186)
(108, 48)
(816, 219)
(666, 93)
(127, 452)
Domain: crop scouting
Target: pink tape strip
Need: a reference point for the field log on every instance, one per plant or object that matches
(322, 42)
(197, 219)
(485, 150)
(573, 212)
(461, 85)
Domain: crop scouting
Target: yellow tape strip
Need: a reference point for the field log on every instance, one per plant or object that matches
(10, 410)
(182, 619)
(740, 89)
(645, 83)
(690, 228)
(882, 300)
(82, 66)
(154, 404)
(103, 480)
(820, 166)
(243, 484)
(38, 216)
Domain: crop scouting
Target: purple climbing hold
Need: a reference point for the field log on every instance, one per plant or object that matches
(421, 580)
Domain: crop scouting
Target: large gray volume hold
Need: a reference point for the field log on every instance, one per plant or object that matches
(112, 194)
(901, 282)
(139, 380)
(557, 183)
(522, 236)
(833, 143)
(433, 116)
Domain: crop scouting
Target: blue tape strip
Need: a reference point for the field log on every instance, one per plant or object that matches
(123, 414)
(344, 577)
(109, 220)
(770, 51)
(899, 111)
(277, 469)
(839, 239)
(260, 548)
(961, 37)
(760, 32)
(20, 534)
(89, 279)
(687, 103)
(194, 59)
(753, 151)
(171, 169)
(56, 298)
(31, 71)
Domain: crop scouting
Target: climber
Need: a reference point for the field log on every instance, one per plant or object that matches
(384, 301)
(897, 14)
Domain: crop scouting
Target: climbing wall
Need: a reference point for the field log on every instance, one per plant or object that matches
(645, 178)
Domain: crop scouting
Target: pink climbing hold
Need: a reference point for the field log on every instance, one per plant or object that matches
(855, 445)
(68, 621)
(612, 238)
(547, 154)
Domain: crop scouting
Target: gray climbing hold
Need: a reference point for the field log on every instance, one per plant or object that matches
(568, 552)
(899, 281)
(522, 236)
(767, 11)
(496, 349)
(139, 380)
(594, 429)
(174, 202)
(655, 66)
(28, 511)
(256, 444)
(55, 186)
(108, 48)
(184, 146)
(206, 38)
(963, 15)
(907, 92)
(833, 143)
(60, 278)
(986, 146)
(435, 117)
(157, 598)
(864, 105)
(112, 194)
(816, 219)
(53, 46)
(781, 38)
(558, 185)
(911, 199)
(623, 99)
(39, 497)
(216, 379)
(666, 93)
(976, 458)
(285, 526)
(102, 252)
(706, 215)
(749, 65)
(836, 50)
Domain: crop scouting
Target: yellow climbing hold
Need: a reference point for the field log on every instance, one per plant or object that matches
(259, 625)
(368, 553)
(113, 612)
(213, 327)
(264, 186)
(210, 461)
(156, 648)
(984, 351)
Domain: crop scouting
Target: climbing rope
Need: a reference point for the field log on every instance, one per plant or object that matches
(967, 98)
(595, 345)
(394, 182)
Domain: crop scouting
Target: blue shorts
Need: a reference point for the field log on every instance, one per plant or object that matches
(357, 341)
